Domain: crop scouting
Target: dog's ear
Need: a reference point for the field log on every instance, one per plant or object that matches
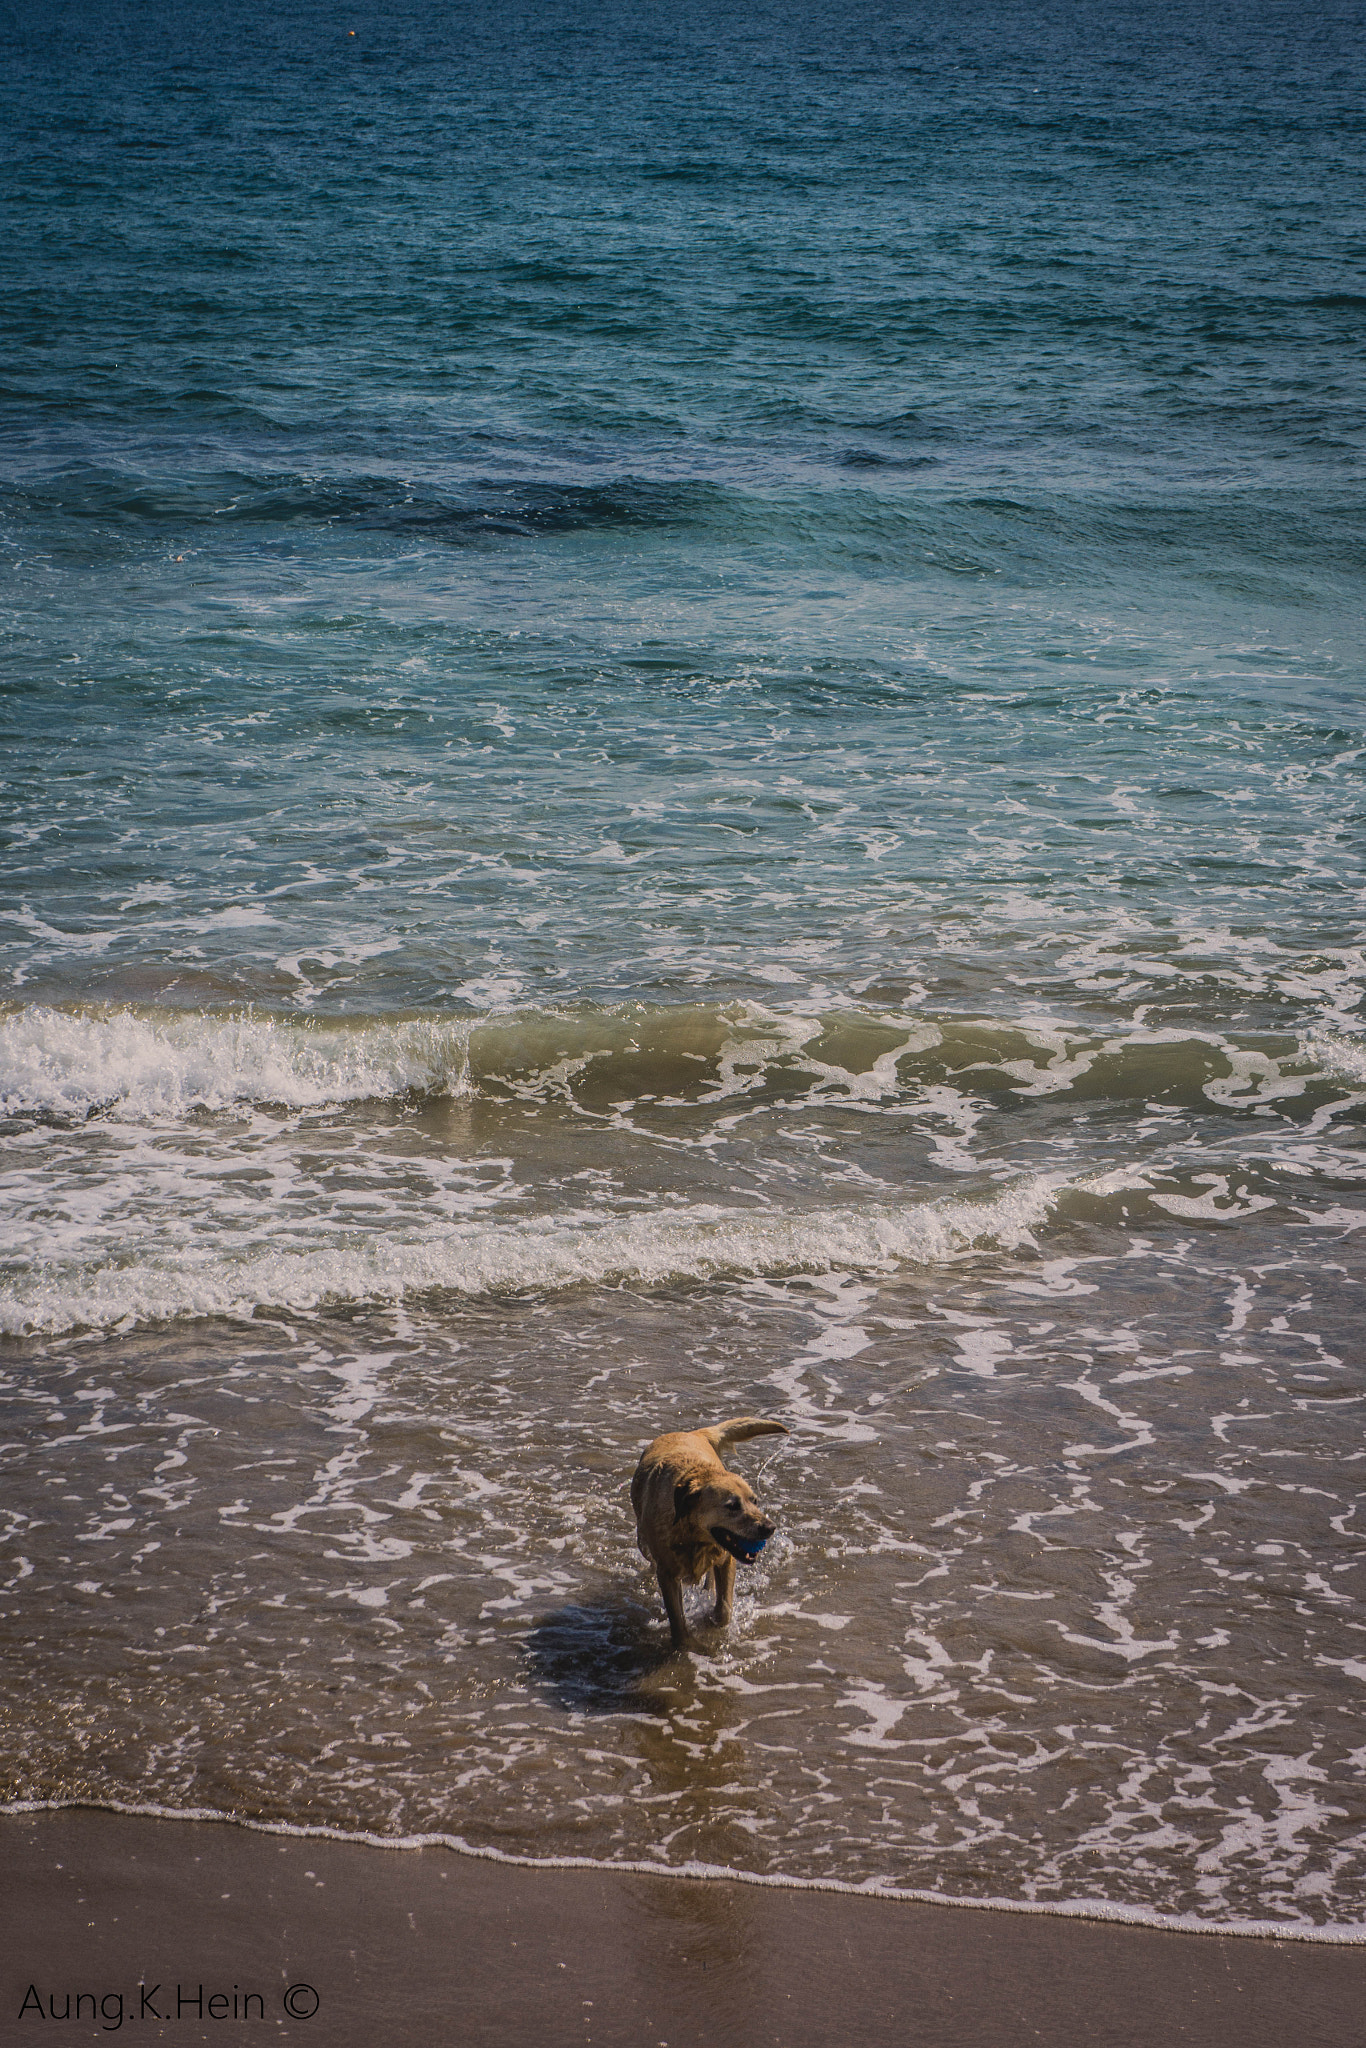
(685, 1493)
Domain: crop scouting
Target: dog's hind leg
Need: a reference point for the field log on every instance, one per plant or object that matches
(723, 1578)
(672, 1590)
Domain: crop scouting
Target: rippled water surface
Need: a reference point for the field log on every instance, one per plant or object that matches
(682, 713)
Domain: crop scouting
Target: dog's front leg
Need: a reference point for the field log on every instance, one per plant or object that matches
(672, 1590)
(723, 1577)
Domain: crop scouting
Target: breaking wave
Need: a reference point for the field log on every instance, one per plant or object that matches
(150, 1064)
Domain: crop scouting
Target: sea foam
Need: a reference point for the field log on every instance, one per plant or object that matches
(543, 1255)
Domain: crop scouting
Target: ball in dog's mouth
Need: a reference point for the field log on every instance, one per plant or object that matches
(738, 1548)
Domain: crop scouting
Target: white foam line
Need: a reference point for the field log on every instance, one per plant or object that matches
(1336, 1935)
(567, 1252)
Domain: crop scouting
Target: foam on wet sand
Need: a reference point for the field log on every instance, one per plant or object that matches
(428, 1945)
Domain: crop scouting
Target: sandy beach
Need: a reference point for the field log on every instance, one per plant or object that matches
(132, 1917)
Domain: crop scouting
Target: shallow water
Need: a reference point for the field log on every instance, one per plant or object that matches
(682, 715)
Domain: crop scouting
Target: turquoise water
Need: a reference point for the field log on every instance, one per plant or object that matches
(682, 717)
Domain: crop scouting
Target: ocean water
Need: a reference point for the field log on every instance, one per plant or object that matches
(683, 733)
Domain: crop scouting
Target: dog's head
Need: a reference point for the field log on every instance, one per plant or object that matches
(726, 1510)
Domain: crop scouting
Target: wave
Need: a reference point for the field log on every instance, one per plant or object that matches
(157, 1064)
(1348, 1934)
(913, 520)
(150, 1064)
(457, 512)
(534, 1256)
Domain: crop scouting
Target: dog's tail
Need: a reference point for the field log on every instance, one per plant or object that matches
(723, 1434)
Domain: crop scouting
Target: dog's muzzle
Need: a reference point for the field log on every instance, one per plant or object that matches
(745, 1551)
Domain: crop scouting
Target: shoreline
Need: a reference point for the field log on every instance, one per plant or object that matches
(1106, 1912)
(436, 1945)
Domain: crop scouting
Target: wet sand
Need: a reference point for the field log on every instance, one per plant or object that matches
(429, 1947)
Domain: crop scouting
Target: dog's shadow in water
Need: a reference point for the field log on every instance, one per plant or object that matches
(602, 1657)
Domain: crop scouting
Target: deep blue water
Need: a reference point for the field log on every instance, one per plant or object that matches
(684, 687)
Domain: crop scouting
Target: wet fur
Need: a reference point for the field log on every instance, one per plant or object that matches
(685, 1502)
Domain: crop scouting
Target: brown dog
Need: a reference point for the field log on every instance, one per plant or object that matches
(694, 1518)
